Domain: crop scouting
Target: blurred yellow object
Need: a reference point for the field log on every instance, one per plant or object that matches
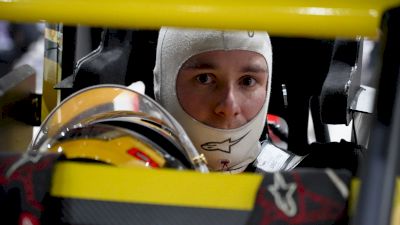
(343, 18)
(164, 187)
(123, 151)
(83, 102)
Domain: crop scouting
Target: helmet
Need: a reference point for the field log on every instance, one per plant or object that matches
(115, 125)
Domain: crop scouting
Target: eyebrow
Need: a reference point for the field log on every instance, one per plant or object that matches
(254, 69)
(198, 65)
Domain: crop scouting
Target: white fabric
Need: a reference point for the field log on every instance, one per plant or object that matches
(274, 159)
(225, 149)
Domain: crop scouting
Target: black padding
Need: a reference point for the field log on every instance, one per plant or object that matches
(346, 51)
(334, 95)
(302, 65)
(109, 64)
(336, 155)
(341, 84)
(142, 59)
(123, 57)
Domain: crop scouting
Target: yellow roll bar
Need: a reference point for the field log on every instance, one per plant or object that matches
(315, 18)
(150, 186)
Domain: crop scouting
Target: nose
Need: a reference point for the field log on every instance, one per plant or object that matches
(227, 103)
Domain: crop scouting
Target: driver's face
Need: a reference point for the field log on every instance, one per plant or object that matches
(223, 89)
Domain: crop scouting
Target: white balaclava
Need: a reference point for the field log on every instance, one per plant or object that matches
(225, 149)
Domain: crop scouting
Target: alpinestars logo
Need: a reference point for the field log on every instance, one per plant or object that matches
(223, 146)
(283, 195)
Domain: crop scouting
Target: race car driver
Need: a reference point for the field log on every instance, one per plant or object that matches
(217, 85)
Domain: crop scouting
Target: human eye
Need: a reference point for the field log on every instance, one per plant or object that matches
(248, 81)
(204, 78)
